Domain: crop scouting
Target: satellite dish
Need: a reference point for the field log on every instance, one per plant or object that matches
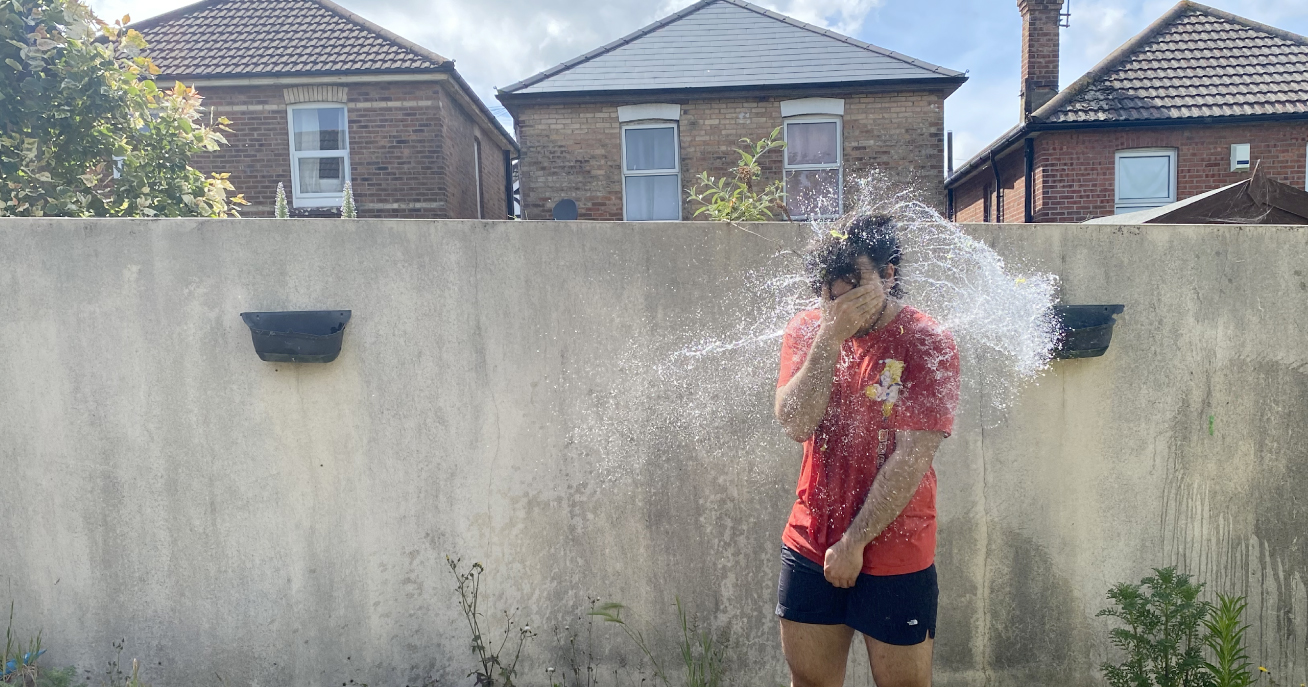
(565, 209)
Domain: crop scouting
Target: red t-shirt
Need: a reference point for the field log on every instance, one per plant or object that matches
(903, 376)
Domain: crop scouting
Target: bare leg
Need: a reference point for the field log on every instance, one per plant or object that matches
(816, 653)
(900, 666)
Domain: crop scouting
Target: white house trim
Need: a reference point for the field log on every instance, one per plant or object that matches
(813, 106)
(633, 113)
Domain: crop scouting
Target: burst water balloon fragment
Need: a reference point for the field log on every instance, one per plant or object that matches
(714, 377)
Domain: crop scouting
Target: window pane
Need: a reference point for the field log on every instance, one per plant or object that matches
(812, 143)
(651, 149)
(1144, 178)
(319, 128)
(653, 198)
(322, 174)
(813, 192)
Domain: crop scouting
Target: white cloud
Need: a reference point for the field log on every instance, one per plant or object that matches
(844, 16)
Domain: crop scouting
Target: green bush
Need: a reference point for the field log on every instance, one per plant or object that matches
(84, 130)
(734, 198)
(1163, 617)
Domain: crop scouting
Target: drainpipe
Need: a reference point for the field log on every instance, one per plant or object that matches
(949, 172)
(949, 155)
(999, 189)
(1029, 144)
(508, 184)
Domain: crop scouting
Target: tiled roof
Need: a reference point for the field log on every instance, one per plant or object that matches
(267, 37)
(1195, 62)
(729, 44)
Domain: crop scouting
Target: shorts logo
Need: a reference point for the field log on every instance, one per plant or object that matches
(913, 621)
(888, 386)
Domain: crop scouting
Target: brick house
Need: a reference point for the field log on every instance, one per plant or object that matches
(623, 129)
(1187, 106)
(319, 96)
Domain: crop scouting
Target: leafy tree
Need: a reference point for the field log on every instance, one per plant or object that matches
(1163, 616)
(84, 130)
(734, 199)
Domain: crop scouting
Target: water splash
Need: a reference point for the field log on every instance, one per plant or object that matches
(715, 378)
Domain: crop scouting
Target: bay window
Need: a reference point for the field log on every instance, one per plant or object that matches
(651, 164)
(320, 153)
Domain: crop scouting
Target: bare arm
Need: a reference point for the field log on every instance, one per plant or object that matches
(802, 402)
(893, 488)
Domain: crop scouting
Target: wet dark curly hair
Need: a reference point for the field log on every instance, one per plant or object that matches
(831, 258)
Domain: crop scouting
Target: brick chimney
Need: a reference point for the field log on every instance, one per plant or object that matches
(1039, 52)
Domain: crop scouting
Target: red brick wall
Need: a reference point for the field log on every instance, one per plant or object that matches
(1075, 169)
(399, 134)
(1040, 19)
(460, 134)
(575, 150)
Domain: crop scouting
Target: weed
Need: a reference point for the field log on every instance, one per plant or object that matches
(580, 662)
(18, 666)
(114, 675)
(735, 199)
(702, 653)
(495, 670)
(1161, 638)
(1231, 666)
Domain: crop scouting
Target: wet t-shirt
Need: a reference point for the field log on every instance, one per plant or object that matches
(903, 376)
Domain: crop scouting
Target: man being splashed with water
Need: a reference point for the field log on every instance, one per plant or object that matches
(870, 386)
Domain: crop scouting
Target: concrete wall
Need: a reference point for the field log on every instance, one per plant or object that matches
(288, 524)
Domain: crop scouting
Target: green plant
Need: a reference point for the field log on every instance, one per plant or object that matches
(56, 678)
(84, 129)
(1231, 666)
(734, 198)
(702, 653)
(347, 205)
(1163, 616)
(495, 670)
(280, 210)
(18, 663)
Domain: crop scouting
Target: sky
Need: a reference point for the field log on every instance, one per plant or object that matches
(497, 42)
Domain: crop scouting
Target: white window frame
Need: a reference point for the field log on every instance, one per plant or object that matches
(1133, 205)
(786, 167)
(676, 162)
(316, 200)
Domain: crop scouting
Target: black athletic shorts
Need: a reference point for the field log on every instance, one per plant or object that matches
(895, 609)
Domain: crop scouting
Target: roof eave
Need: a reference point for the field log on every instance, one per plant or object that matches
(948, 84)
